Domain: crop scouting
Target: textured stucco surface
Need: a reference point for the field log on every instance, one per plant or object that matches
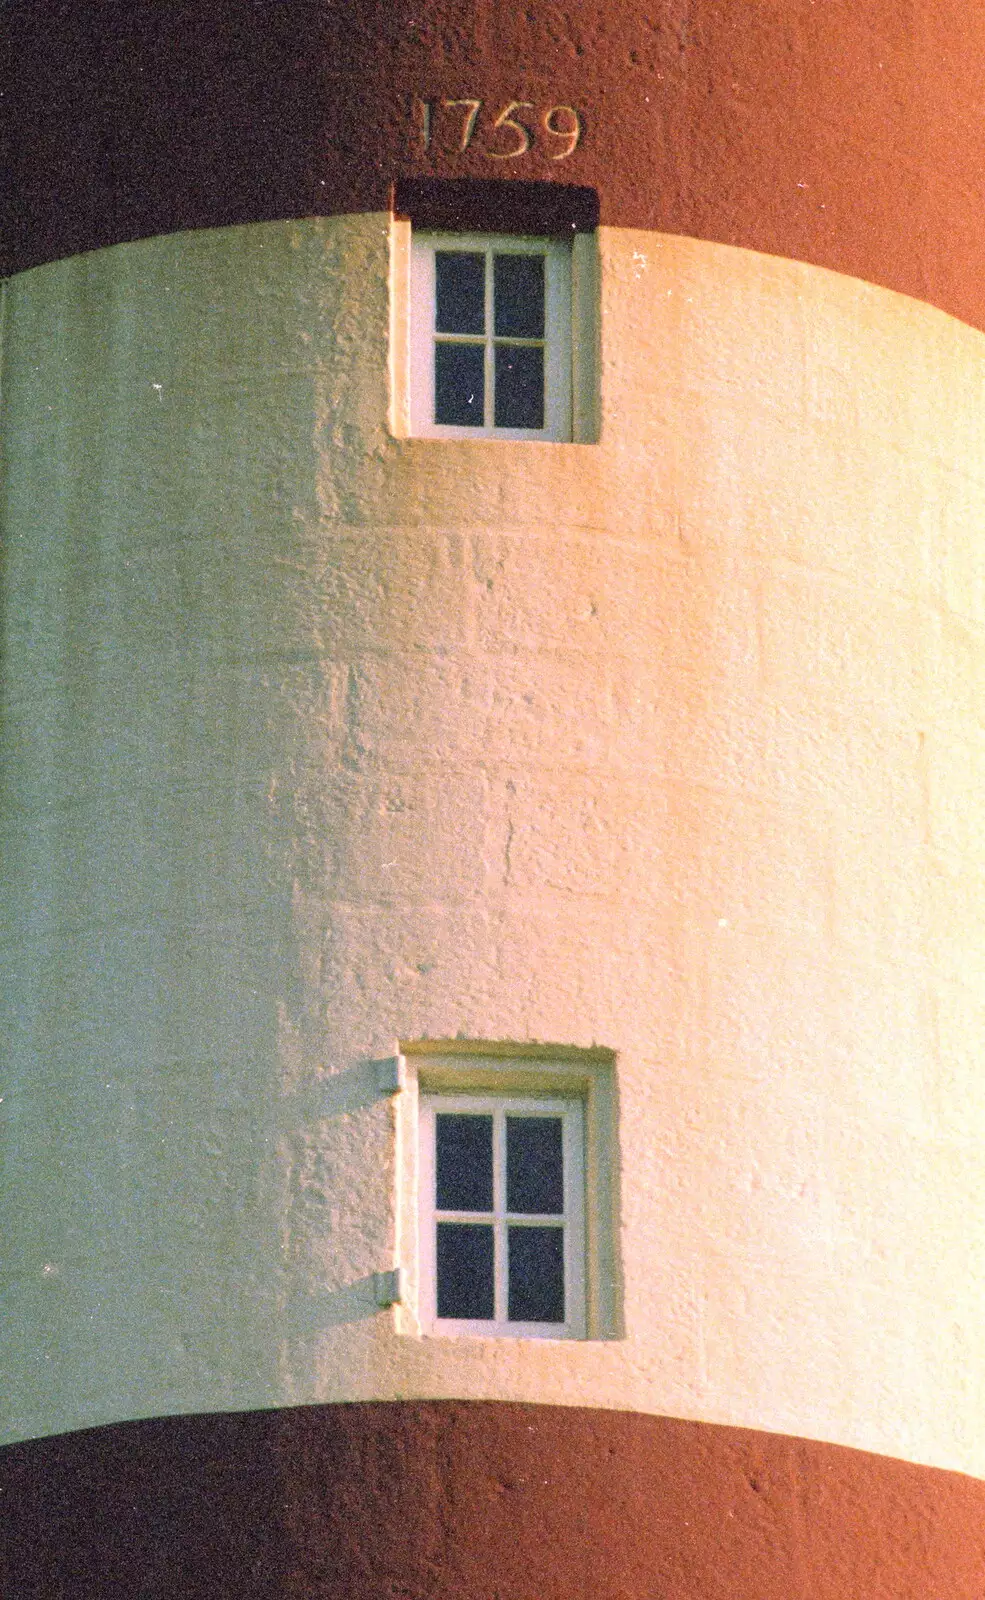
(316, 739)
(459, 1501)
(848, 135)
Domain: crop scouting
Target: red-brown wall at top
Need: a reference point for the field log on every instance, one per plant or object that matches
(841, 133)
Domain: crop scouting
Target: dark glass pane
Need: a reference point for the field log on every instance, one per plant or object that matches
(460, 292)
(459, 385)
(534, 1165)
(518, 296)
(463, 1157)
(465, 1270)
(536, 1268)
(519, 386)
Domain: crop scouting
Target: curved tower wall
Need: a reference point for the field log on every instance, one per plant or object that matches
(318, 739)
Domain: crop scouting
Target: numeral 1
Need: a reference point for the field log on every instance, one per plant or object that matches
(423, 109)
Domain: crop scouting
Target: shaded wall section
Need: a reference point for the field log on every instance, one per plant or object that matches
(432, 1500)
(847, 136)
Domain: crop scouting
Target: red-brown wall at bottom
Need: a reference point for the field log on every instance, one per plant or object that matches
(454, 1500)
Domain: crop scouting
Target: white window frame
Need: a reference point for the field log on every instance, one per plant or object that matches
(572, 1219)
(557, 333)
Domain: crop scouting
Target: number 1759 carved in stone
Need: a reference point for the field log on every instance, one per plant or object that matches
(516, 130)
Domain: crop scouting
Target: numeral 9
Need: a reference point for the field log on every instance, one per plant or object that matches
(571, 133)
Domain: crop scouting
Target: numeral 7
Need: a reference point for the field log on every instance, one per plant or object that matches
(468, 126)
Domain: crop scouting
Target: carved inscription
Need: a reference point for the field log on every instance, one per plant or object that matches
(516, 130)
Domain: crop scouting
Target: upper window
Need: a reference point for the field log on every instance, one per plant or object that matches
(502, 1215)
(491, 337)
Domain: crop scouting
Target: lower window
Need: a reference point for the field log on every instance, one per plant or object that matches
(502, 1215)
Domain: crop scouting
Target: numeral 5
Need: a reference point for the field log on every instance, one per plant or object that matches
(524, 136)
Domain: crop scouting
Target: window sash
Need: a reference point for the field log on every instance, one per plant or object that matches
(570, 1219)
(556, 342)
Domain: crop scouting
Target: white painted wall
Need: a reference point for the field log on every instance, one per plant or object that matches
(317, 738)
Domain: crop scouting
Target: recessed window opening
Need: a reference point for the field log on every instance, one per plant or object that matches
(508, 1212)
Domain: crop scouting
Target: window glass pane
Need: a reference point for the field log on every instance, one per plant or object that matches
(459, 385)
(465, 1270)
(463, 1159)
(460, 292)
(536, 1274)
(534, 1165)
(519, 386)
(518, 296)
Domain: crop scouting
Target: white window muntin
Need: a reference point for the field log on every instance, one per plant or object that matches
(556, 343)
(571, 1219)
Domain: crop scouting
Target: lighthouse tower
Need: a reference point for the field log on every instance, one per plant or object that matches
(493, 671)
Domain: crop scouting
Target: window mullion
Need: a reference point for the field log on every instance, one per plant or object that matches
(490, 405)
(501, 1286)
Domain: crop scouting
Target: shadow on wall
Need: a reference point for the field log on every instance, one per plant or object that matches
(354, 1089)
(354, 1302)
